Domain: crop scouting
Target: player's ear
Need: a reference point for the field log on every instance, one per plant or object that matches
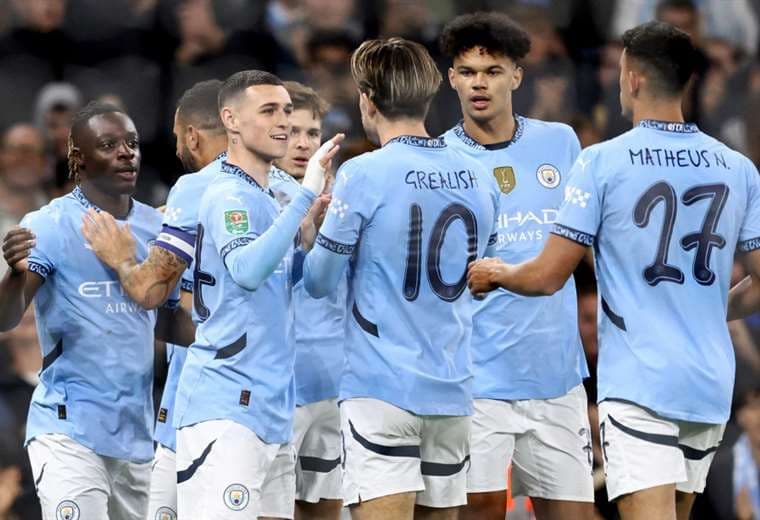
(228, 119)
(369, 107)
(193, 138)
(633, 83)
(517, 77)
(451, 78)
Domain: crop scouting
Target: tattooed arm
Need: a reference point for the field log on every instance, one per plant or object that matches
(149, 283)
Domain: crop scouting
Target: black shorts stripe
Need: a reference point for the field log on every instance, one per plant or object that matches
(656, 438)
(53, 355)
(187, 474)
(231, 350)
(436, 469)
(695, 454)
(318, 465)
(366, 325)
(388, 451)
(616, 319)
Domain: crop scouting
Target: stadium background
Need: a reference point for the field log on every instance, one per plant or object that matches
(142, 54)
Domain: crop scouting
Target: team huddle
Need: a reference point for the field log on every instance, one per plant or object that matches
(391, 338)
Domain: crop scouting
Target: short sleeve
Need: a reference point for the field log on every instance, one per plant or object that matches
(45, 224)
(580, 213)
(349, 209)
(234, 218)
(749, 235)
(179, 224)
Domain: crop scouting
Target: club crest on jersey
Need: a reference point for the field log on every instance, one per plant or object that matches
(67, 510)
(505, 177)
(236, 497)
(548, 176)
(165, 513)
(236, 221)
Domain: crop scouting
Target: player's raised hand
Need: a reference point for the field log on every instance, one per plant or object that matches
(113, 244)
(313, 221)
(482, 275)
(17, 245)
(314, 178)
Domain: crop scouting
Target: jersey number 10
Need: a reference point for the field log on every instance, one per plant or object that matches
(703, 240)
(413, 271)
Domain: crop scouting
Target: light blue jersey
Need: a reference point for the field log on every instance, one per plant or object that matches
(318, 324)
(411, 215)
(665, 207)
(97, 344)
(178, 237)
(526, 348)
(240, 366)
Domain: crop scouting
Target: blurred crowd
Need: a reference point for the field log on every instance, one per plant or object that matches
(55, 55)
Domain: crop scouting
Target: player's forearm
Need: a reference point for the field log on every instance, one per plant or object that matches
(150, 283)
(250, 265)
(743, 299)
(529, 279)
(13, 302)
(322, 271)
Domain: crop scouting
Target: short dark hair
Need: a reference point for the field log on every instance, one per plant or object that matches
(90, 110)
(306, 98)
(199, 106)
(495, 32)
(665, 53)
(399, 76)
(238, 82)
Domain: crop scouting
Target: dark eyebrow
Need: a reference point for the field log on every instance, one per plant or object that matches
(275, 105)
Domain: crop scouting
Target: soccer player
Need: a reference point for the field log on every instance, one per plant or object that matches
(410, 215)
(90, 420)
(665, 207)
(200, 139)
(318, 334)
(235, 397)
(528, 362)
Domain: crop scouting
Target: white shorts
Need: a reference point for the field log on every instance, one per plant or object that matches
(547, 441)
(225, 471)
(75, 483)
(316, 439)
(163, 485)
(388, 450)
(643, 450)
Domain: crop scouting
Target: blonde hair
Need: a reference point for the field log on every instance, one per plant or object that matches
(397, 75)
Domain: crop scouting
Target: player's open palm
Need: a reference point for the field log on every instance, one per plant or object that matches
(113, 244)
(17, 245)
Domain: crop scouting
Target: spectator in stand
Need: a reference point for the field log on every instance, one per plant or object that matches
(55, 106)
(23, 170)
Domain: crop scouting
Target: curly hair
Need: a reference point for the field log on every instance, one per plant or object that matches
(495, 32)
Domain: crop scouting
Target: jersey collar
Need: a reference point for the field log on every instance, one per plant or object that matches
(462, 134)
(421, 142)
(669, 126)
(233, 169)
(84, 201)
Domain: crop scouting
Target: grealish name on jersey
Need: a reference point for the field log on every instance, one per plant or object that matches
(458, 180)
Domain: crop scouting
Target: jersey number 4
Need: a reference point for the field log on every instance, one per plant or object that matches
(200, 278)
(703, 240)
(413, 271)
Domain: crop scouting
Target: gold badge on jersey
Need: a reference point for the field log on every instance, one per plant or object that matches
(505, 177)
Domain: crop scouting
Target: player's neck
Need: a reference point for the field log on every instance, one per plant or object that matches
(668, 110)
(387, 130)
(496, 130)
(252, 164)
(116, 205)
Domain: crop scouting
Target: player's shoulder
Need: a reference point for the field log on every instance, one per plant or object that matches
(540, 128)
(280, 176)
(357, 167)
(50, 214)
(145, 213)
